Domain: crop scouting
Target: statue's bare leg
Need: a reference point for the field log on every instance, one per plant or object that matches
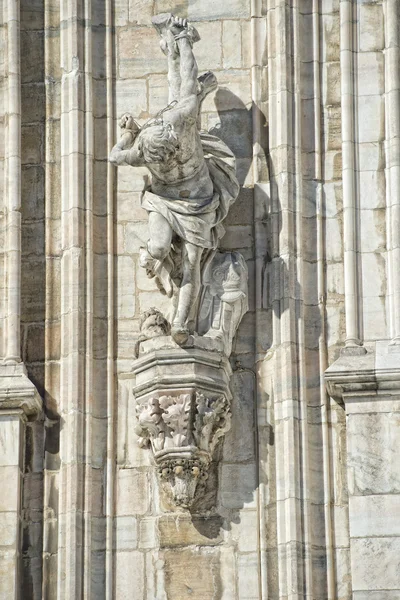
(189, 291)
(160, 238)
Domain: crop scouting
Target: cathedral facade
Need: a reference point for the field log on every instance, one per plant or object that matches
(200, 390)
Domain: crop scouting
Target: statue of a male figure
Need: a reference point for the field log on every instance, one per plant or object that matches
(193, 176)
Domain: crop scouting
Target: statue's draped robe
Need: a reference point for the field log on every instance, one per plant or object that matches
(199, 222)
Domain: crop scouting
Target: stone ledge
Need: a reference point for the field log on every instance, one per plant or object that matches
(375, 374)
(168, 366)
(17, 392)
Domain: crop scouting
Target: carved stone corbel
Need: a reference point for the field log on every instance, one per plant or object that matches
(182, 430)
(183, 409)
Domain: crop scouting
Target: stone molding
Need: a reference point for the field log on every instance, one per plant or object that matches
(375, 373)
(17, 392)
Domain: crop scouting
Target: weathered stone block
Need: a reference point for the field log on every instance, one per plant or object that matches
(331, 37)
(32, 193)
(371, 118)
(32, 145)
(133, 496)
(183, 531)
(209, 56)
(9, 528)
(368, 573)
(371, 452)
(192, 574)
(139, 53)
(8, 582)
(374, 515)
(131, 96)
(129, 575)
(331, 88)
(239, 440)
(140, 11)
(33, 102)
(136, 237)
(248, 581)
(371, 32)
(148, 537)
(125, 533)
(126, 287)
(207, 9)
(32, 49)
(238, 485)
(232, 44)
(10, 440)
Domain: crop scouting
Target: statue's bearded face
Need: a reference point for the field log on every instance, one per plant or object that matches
(158, 143)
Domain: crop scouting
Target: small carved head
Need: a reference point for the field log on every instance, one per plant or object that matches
(158, 143)
(153, 323)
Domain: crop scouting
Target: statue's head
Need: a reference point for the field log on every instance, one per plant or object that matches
(158, 143)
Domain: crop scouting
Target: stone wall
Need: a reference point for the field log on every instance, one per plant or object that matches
(308, 102)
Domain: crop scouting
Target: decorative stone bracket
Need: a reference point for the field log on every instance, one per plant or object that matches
(183, 431)
(183, 409)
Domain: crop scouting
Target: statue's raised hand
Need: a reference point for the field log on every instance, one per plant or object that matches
(129, 130)
(178, 25)
(127, 122)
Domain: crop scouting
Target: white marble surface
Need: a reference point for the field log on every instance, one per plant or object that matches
(308, 485)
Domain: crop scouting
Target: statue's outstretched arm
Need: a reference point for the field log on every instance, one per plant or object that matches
(189, 69)
(174, 74)
(123, 158)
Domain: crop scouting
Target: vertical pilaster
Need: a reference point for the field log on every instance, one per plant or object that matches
(12, 350)
(392, 107)
(73, 302)
(321, 299)
(18, 401)
(111, 450)
(293, 550)
(353, 335)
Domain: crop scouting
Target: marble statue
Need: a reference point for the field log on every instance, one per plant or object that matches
(193, 185)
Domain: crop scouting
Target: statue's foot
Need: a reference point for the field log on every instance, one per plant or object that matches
(146, 261)
(179, 334)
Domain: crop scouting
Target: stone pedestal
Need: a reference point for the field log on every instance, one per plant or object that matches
(183, 409)
(19, 400)
(369, 387)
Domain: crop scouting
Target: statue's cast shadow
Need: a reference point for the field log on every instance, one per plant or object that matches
(233, 483)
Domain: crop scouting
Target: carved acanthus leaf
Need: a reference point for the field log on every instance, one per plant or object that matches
(176, 417)
(151, 425)
(211, 421)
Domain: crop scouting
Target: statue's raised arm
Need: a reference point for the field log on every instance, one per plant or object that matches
(193, 185)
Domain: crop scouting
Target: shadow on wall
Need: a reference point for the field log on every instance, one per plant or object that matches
(235, 128)
(233, 482)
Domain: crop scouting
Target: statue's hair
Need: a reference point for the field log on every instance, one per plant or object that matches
(158, 143)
